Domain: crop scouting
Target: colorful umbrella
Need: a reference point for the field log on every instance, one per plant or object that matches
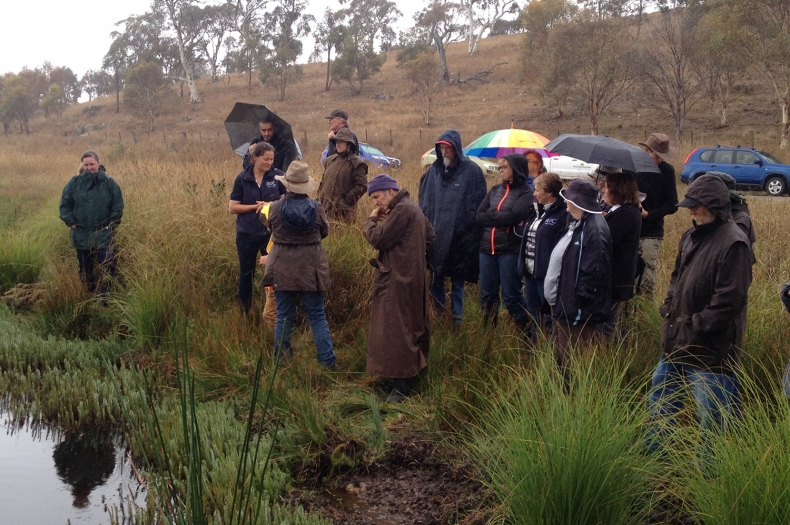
(505, 141)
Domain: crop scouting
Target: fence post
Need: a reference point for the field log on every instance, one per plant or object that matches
(164, 138)
(184, 135)
(692, 138)
(134, 137)
(391, 142)
(305, 137)
(119, 136)
(751, 134)
(366, 135)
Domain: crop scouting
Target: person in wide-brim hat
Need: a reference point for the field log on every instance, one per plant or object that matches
(297, 179)
(660, 144)
(583, 194)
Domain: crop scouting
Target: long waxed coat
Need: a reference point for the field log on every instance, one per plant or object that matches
(708, 290)
(297, 262)
(94, 204)
(399, 323)
(344, 182)
(450, 197)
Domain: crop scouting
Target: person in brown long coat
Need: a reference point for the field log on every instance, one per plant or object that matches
(345, 179)
(399, 324)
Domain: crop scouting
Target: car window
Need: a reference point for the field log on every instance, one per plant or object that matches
(770, 158)
(744, 157)
(373, 151)
(707, 155)
(723, 157)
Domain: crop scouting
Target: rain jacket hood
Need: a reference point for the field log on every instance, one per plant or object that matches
(712, 193)
(454, 138)
(298, 212)
(347, 136)
(520, 169)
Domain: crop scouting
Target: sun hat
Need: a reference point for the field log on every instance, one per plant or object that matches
(583, 194)
(297, 179)
(382, 182)
(661, 145)
(337, 113)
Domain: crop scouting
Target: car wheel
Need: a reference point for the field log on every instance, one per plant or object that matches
(775, 185)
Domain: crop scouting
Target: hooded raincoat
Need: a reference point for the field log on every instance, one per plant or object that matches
(94, 204)
(450, 197)
(399, 336)
(708, 291)
(345, 180)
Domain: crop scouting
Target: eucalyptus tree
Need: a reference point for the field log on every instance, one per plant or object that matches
(329, 35)
(185, 19)
(286, 26)
(441, 19)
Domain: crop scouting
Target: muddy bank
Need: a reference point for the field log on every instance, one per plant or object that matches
(414, 484)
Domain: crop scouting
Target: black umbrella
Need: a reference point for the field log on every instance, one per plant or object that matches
(242, 125)
(603, 150)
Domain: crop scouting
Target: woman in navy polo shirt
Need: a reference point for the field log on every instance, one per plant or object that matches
(253, 187)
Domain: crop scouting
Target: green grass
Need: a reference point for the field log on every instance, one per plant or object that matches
(562, 454)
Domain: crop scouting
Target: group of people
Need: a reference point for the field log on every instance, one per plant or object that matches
(564, 261)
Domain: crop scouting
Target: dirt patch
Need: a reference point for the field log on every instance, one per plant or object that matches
(413, 485)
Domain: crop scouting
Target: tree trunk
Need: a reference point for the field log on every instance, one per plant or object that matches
(328, 64)
(470, 16)
(440, 49)
(785, 143)
(117, 93)
(594, 116)
(723, 120)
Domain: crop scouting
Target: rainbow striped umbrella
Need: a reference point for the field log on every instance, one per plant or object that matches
(505, 141)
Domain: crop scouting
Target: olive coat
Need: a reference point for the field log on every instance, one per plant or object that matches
(399, 324)
(344, 182)
(297, 262)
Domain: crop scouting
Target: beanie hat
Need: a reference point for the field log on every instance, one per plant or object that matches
(382, 182)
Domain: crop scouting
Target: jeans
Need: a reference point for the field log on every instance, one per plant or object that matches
(313, 304)
(717, 396)
(501, 271)
(439, 296)
(248, 247)
(96, 265)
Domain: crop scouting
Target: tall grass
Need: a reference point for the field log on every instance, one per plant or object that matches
(746, 478)
(554, 453)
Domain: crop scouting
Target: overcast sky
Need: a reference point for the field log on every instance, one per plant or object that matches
(76, 33)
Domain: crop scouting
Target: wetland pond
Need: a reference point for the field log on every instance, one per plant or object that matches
(48, 477)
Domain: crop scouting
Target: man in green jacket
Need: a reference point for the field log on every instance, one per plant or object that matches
(92, 206)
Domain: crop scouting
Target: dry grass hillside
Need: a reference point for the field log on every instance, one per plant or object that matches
(395, 125)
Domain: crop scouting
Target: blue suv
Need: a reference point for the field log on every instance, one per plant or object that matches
(750, 168)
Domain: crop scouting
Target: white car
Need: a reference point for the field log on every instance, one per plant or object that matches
(567, 168)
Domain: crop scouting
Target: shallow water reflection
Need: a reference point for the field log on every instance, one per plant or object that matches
(52, 478)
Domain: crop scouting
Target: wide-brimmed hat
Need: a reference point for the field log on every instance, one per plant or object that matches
(661, 145)
(583, 194)
(297, 179)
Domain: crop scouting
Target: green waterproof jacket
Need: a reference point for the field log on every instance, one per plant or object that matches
(93, 202)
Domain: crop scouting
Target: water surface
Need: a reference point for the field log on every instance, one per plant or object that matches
(53, 478)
